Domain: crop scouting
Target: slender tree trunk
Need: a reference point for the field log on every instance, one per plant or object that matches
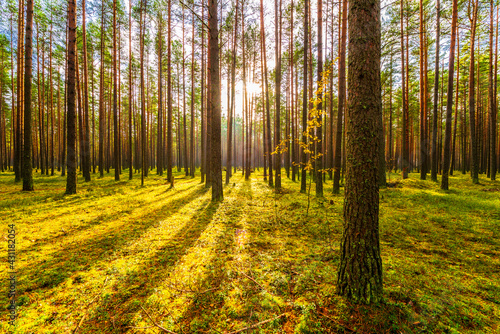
(277, 116)
(215, 102)
(404, 147)
(169, 96)
(434, 160)
(130, 96)
(472, 101)
(492, 104)
(71, 117)
(191, 141)
(28, 169)
(423, 96)
(303, 181)
(268, 144)
(86, 136)
(116, 131)
(232, 106)
(342, 83)
(319, 135)
(455, 120)
(102, 116)
(449, 101)
(159, 143)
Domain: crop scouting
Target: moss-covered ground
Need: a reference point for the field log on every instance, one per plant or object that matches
(121, 258)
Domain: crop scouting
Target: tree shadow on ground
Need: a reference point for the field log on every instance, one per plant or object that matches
(81, 256)
(115, 312)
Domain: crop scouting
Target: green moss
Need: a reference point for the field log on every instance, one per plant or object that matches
(115, 248)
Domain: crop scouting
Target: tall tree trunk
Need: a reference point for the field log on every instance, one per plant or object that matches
(214, 102)
(143, 93)
(130, 96)
(449, 100)
(455, 120)
(472, 102)
(159, 143)
(423, 96)
(102, 116)
(28, 169)
(405, 156)
(434, 160)
(268, 144)
(303, 181)
(169, 95)
(232, 106)
(191, 141)
(277, 116)
(71, 117)
(360, 271)
(319, 135)
(116, 131)
(342, 83)
(86, 136)
(492, 104)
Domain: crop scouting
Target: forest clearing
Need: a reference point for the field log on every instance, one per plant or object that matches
(117, 256)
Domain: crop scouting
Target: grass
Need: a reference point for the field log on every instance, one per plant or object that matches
(121, 258)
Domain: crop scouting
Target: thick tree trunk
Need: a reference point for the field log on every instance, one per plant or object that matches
(360, 271)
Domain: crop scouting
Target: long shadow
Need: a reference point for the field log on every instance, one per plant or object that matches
(205, 307)
(115, 313)
(103, 218)
(73, 257)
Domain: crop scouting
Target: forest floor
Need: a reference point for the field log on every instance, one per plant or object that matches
(121, 258)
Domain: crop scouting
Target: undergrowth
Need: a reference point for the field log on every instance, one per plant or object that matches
(121, 258)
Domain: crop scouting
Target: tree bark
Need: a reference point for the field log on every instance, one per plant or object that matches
(71, 117)
(319, 135)
(28, 67)
(215, 102)
(342, 84)
(360, 271)
(472, 102)
(449, 100)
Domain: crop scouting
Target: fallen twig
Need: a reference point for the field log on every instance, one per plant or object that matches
(257, 324)
(90, 303)
(253, 280)
(155, 323)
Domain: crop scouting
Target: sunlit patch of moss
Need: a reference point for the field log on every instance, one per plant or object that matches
(99, 257)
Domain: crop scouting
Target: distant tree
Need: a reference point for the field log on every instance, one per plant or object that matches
(341, 94)
(434, 153)
(214, 102)
(360, 271)
(27, 169)
(449, 100)
(472, 101)
(71, 112)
